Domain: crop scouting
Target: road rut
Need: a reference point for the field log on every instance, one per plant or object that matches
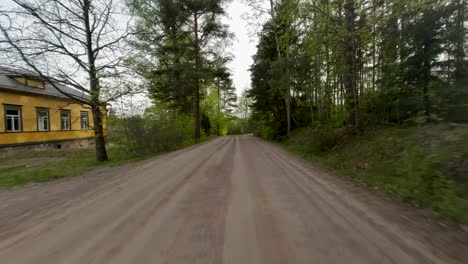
(228, 200)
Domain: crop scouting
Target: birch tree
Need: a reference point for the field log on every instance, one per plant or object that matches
(77, 43)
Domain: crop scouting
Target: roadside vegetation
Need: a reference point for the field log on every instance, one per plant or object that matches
(426, 166)
(131, 138)
(376, 90)
(38, 166)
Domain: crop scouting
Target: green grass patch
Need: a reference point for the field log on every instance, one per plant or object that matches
(39, 166)
(426, 166)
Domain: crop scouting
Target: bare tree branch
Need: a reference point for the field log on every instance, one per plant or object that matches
(77, 44)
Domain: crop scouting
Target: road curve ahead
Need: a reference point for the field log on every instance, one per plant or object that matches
(232, 200)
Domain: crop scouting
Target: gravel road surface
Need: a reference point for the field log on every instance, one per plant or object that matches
(232, 200)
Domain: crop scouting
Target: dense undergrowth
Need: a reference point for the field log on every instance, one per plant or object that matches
(425, 165)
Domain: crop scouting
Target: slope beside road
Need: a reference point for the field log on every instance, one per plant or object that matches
(229, 200)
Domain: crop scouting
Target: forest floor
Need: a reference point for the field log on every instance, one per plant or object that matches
(426, 166)
(229, 200)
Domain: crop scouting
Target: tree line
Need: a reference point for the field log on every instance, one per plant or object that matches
(354, 63)
(181, 53)
(103, 48)
(338, 63)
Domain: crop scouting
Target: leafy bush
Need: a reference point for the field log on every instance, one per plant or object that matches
(234, 127)
(321, 138)
(158, 130)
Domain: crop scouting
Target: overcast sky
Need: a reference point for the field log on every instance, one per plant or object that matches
(244, 45)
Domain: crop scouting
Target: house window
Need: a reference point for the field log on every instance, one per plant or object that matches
(65, 116)
(84, 121)
(12, 118)
(43, 123)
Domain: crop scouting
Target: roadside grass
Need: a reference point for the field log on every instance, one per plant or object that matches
(39, 166)
(425, 166)
(69, 163)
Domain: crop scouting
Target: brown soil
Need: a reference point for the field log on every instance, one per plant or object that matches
(229, 200)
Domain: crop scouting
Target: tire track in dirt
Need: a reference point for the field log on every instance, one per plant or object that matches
(271, 239)
(230, 200)
(350, 216)
(204, 213)
(124, 231)
(240, 245)
(53, 204)
(70, 237)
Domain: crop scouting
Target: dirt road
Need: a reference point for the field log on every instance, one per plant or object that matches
(233, 200)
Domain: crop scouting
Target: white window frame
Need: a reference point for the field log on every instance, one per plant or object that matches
(41, 120)
(65, 122)
(84, 117)
(11, 118)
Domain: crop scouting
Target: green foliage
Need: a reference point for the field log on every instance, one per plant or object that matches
(181, 55)
(162, 128)
(406, 65)
(424, 165)
(267, 76)
(234, 126)
(165, 56)
(214, 121)
(158, 130)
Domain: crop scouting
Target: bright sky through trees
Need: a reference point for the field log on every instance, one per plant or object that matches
(243, 46)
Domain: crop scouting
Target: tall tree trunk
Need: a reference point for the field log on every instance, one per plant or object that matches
(350, 63)
(374, 43)
(316, 78)
(288, 110)
(246, 113)
(327, 99)
(219, 107)
(327, 93)
(197, 79)
(311, 103)
(460, 72)
(100, 143)
(425, 87)
(287, 95)
(180, 99)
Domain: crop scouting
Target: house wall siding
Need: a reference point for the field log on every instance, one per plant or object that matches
(29, 104)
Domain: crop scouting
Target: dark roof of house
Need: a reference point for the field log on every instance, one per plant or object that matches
(8, 82)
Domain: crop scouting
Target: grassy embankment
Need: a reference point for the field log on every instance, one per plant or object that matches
(426, 166)
(38, 166)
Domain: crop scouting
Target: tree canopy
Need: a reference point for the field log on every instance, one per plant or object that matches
(354, 63)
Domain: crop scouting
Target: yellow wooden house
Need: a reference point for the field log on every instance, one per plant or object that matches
(37, 115)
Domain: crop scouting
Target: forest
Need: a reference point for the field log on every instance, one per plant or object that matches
(340, 66)
(355, 64)
(372, 89)
(181, 56)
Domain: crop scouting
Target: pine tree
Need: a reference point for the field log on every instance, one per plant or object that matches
(203, 26)
(177, 40)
